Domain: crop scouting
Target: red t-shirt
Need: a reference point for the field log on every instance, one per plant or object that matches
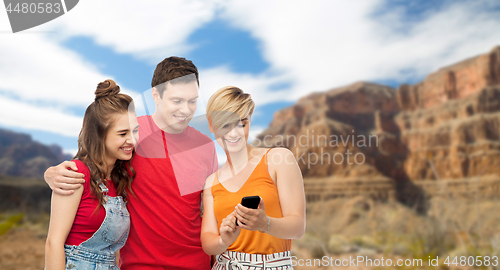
(87, 220)
(165, 212)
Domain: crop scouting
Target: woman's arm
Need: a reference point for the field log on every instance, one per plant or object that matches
(292, 199)
(62, 214)
(212, 242)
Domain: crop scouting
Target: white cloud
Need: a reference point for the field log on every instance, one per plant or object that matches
(324, 44)
(35, 69)
(43, 82)
(19, 114)
(258, 86)
(146, 29)
(459, 31)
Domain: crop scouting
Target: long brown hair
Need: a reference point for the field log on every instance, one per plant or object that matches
(99, 118)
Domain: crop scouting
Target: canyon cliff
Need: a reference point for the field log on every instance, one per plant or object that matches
(439, 137)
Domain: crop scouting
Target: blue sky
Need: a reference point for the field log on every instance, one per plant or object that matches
(278, 53)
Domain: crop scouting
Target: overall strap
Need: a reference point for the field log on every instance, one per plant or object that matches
(104, 188)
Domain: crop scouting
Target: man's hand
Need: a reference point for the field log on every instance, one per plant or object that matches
(63, 181)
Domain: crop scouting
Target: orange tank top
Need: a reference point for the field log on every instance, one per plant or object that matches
(259, 183)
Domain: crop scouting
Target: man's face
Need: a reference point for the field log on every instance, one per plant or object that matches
(177, 106)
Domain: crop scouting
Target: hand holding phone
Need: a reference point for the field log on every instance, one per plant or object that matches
(250, 202)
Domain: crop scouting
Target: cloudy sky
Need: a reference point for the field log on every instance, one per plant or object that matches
(278, 51)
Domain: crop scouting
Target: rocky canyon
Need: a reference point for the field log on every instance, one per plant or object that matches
(439, 137)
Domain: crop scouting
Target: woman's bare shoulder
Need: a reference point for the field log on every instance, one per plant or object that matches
(279, 156)
(210, 181)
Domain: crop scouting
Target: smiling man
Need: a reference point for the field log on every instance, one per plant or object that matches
(172, 161)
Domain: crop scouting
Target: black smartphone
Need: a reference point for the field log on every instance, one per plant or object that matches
(250, 202)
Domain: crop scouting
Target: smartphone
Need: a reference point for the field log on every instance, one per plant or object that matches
(250, 202)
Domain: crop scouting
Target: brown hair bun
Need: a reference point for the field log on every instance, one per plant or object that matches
(106, 88)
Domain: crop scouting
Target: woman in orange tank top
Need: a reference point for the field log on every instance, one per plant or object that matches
(240, 237)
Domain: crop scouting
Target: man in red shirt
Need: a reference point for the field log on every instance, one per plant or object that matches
(172, 161)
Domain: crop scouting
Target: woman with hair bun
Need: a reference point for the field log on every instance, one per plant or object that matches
(88, 227)
(241, 237)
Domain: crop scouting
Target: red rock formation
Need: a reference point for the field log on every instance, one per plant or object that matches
(453, 82)
(330, 129)
(461, 137)
(445, 127)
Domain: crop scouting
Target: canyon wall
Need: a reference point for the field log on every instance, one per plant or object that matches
(433, 138)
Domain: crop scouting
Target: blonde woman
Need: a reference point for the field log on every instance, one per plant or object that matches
(241, 237)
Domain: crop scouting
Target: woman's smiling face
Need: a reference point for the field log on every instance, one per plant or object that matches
(120, 139)
(232, 137)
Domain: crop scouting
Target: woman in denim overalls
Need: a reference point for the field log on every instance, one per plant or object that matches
(105, 147)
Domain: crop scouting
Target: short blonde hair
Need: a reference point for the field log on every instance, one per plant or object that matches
(229, 104)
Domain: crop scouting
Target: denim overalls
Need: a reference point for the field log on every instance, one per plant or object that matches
(98, 252)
